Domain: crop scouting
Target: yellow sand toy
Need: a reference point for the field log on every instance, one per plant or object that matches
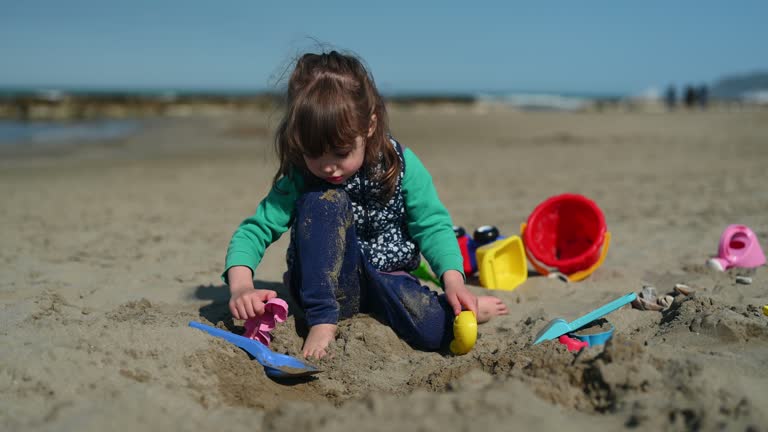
(464, 333)
(502, 264)
(765, 310)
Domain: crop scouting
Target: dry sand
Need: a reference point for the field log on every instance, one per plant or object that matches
(109, 250)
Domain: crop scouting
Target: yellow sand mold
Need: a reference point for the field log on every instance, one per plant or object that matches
(502, 264)
(464, 333)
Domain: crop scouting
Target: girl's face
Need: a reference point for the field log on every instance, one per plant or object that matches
(336, 168)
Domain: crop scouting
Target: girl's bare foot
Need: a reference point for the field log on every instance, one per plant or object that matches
(489, 307)
(320, 335)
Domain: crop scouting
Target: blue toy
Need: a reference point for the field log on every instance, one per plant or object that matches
(596, 338)
(275, 365)
(559, 326)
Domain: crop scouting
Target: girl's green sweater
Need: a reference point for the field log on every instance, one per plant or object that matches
(428, 221)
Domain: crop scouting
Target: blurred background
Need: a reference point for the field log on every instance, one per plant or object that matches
(116, 62)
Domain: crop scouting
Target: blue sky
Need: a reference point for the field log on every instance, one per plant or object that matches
(585, 46)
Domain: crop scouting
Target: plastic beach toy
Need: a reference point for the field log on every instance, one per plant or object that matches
(275, 311)
(572, 344)
(422, 272)
(566, 233)
(464, 333)
(559, 326)
(275, 365)
(468, 244)
(595, 338)
(502, 264)
(465, 242)
(738, 247)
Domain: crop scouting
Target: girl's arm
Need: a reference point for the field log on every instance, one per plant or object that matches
(271, 219)
(457, 294)
(246, 248)
(430, 226)
(240, 279)
(429, 223)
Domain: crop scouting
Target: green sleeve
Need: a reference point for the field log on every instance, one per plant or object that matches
(428, 220)
(272, 218)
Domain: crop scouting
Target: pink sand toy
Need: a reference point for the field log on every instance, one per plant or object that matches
(275, 311)
(572, 344)
(738, 248)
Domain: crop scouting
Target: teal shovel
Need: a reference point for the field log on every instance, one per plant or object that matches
(558, 326)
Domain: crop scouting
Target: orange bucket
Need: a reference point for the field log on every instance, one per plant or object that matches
(567, 233)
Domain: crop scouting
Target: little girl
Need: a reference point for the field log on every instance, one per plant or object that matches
(362, 209)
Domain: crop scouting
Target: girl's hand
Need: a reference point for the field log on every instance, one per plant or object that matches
(249, 302)
(457, 294)
(246, 301)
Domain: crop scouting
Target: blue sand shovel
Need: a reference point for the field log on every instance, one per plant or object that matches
(558, 326)
(275, 365)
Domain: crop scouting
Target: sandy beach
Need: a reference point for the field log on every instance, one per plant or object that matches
(110, 249)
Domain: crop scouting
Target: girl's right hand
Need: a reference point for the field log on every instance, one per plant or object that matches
(249, 302)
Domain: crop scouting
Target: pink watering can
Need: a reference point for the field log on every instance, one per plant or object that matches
(738, 248)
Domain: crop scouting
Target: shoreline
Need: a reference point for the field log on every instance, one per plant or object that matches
(50, 135)
(63, 107)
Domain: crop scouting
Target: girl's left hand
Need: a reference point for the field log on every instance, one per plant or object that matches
(457, 294)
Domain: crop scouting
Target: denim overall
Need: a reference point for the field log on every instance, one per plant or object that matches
(332, 279)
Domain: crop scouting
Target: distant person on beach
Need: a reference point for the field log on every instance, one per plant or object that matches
(690, 96)
(362, 209)
(670, 97)
(703, 96)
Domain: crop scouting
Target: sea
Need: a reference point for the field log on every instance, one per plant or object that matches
(546, 100)
(48, 132)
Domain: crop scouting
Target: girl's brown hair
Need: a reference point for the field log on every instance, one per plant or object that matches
(331, 100)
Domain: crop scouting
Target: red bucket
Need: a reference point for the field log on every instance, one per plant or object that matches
(566, 232)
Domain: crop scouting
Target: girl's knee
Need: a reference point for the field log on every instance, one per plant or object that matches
(323, 211)
(420, 317)
(432, 330)
(327, 199)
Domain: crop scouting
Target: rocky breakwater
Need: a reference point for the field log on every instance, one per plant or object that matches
(56, 105)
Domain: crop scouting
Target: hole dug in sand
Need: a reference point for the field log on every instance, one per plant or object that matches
(372, 371)
(375, 378)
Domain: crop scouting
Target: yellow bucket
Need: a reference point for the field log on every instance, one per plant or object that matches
(502, 264)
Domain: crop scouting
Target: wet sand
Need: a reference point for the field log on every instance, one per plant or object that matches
(110, 249)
